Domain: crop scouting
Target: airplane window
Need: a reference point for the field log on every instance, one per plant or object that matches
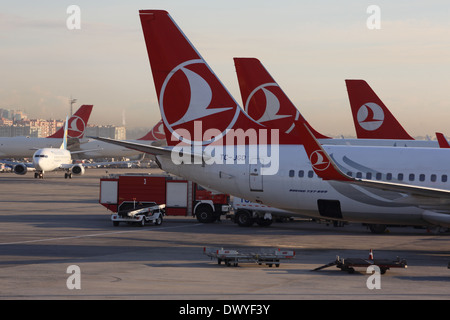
(444, 178)
(400, 177)
(310, 174)
(411, 177)
(369, 175)
(378, 175)
(291, 173)
(389, 176)
(350, 174)
(421, 177)
(433, 178)
(301, 174)
(359, 175)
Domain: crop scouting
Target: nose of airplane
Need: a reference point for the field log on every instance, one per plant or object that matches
(41, 162)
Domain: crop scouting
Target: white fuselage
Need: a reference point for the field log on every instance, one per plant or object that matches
(296, 188)
(25, 147)
(49, 159)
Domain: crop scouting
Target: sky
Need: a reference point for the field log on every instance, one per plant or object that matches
(309, 47)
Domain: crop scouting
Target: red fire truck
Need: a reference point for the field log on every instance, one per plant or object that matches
(120, 192)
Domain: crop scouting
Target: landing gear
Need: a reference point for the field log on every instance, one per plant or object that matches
(39, 175)
(68, 175)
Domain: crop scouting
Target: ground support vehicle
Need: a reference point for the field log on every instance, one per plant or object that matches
(119, 192)
(141, 216)
(247, 213)
(234, 257)
(350, 264)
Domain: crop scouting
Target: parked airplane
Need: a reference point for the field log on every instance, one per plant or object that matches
(50, 159)
(216, 144)
(267, 103)
(25, 147)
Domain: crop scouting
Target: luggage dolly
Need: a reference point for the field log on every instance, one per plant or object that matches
(233, 257)
(350, 264)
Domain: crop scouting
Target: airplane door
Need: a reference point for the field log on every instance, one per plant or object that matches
(256, 179)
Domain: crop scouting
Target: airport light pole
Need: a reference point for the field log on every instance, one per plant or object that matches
(72, 101)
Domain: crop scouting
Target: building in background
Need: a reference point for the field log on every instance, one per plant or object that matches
(14, 123)
(108, 131)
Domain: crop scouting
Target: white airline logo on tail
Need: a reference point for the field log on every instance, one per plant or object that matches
(272, 104)
(319, 161)
(201, 96)
(272, 107)
(370, 116)
(76, 127)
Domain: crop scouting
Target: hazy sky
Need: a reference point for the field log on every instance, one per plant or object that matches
(309, 47)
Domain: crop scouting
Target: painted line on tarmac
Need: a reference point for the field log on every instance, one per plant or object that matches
(97, 234)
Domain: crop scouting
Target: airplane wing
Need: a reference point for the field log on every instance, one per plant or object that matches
(153, 150)
(83, 151)
(12, 164)
(326, 168)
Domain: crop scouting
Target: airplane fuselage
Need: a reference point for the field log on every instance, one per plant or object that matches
(295, 187)
(49, 159)
(25, 147)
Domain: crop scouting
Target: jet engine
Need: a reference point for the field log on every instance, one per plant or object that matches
(20, 169)
(77, 169)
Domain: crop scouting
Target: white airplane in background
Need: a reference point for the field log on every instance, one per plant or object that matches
(216, 144)
(25, 147)
(265, 102)
(50, 159)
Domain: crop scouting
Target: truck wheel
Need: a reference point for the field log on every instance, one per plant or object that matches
(204, 214)
(115, 223)
(244, 218)
(263, 222)
(159, 221)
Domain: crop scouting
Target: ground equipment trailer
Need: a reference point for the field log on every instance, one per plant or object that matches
(141, 216)
(234, 257)
(121, 192)
(349, 264)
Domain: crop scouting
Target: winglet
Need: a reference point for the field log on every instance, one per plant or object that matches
(443, 143)
(321, 162)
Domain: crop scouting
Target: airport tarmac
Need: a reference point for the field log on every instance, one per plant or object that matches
(51, 224)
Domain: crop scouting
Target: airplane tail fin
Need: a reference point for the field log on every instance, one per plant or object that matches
(77, 123)
(372, 118)
(64, 144)
(264, 100)
(195, 106)
(443, 143)
(156, 133)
